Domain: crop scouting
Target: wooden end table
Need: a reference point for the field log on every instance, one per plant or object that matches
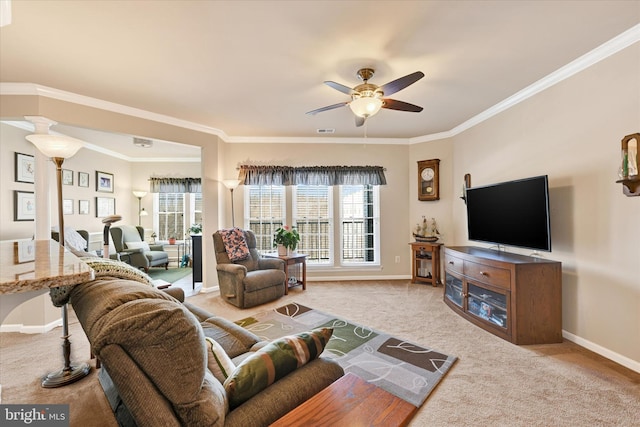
(350, 401)
(422, 252)
(290, 260)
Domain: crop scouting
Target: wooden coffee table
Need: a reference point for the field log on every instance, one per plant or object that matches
(350, 401)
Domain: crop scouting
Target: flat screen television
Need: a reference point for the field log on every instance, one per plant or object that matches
(512, 213)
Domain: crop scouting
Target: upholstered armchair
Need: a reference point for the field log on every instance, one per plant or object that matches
(132, 249)
(250, 281)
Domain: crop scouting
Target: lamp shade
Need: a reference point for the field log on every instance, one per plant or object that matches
(139, 194)
(365, 106)
(143, 212)
(53, 146)
(231, 184)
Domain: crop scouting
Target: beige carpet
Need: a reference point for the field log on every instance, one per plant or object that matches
(493, 382)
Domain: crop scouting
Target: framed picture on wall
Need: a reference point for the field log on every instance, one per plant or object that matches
(83, 179)
(105, 206)
(104, 182)
(83, 207)
(67, 207)
(25, 168)
(24, 206)
(67, 177)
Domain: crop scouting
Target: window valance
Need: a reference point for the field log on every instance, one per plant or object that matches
(175, 185)
(312, 175)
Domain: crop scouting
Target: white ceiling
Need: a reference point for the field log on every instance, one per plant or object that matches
(251, 69)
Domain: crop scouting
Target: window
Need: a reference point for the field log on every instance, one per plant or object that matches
(350, 235)
(196, 209)
(359, 223)
(171, 210)
(313, 218)
(265, 206)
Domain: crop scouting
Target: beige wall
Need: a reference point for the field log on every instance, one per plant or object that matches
(127, 177)
(572, 133)
(39, 312)
(394, 209)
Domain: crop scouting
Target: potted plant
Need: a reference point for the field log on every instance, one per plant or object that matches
(172, 240)
(287, 238)
(195, 229)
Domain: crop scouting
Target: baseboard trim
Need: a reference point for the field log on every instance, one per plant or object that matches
(30, 329)
(347, 278)
(602, 351)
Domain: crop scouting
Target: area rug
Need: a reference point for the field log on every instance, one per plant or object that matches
(171, 275)
(402, 368)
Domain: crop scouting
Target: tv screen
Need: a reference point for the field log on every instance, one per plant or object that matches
(513, 213)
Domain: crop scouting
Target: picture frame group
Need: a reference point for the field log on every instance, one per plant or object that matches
(24, 201)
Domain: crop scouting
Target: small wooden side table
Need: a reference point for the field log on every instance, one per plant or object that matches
(290, 260)
(350, 401)
(425, 254)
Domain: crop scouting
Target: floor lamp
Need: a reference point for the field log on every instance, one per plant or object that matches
(59, 148)
(141, 212)
(105, 233)
(232, 184)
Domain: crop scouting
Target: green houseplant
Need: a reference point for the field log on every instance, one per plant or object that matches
(195, 229)
(287, 237)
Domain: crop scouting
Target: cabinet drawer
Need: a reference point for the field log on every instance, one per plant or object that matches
(452, 263)
(487, 274)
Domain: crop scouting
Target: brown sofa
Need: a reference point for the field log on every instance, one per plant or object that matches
(154, 360)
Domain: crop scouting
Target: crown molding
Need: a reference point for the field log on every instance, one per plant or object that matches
(313, 140)
(611, 47)
(30, 127)
(33, 89)
(603, 51)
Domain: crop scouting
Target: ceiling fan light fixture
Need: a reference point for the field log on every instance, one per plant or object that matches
(366, 106)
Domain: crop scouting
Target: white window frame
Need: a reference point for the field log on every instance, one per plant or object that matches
(331, 227)
(375, 192)
(336, 238)
(188, 213)
(265, 243)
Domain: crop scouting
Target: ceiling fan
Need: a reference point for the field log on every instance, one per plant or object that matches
(367, 98)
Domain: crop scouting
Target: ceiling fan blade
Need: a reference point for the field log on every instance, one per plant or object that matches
(339, 87)
(393, 104)
(328, 107)
(359, 121)
(401, 83)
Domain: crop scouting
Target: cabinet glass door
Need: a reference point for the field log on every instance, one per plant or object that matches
(488, 305)
(453, 289)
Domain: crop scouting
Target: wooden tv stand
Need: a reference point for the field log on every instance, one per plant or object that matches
(516, 297)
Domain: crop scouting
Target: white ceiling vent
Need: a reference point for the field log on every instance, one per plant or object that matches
(325, 130)
(142, 143)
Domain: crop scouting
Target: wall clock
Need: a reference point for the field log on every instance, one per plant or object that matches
(428, 180)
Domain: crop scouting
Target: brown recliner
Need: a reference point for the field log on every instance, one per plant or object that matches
(252, 281)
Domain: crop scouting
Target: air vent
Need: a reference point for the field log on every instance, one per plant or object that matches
(325, 130)
(142, 143)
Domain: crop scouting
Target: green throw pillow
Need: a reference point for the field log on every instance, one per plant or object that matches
(272, 362)
(219, 362)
